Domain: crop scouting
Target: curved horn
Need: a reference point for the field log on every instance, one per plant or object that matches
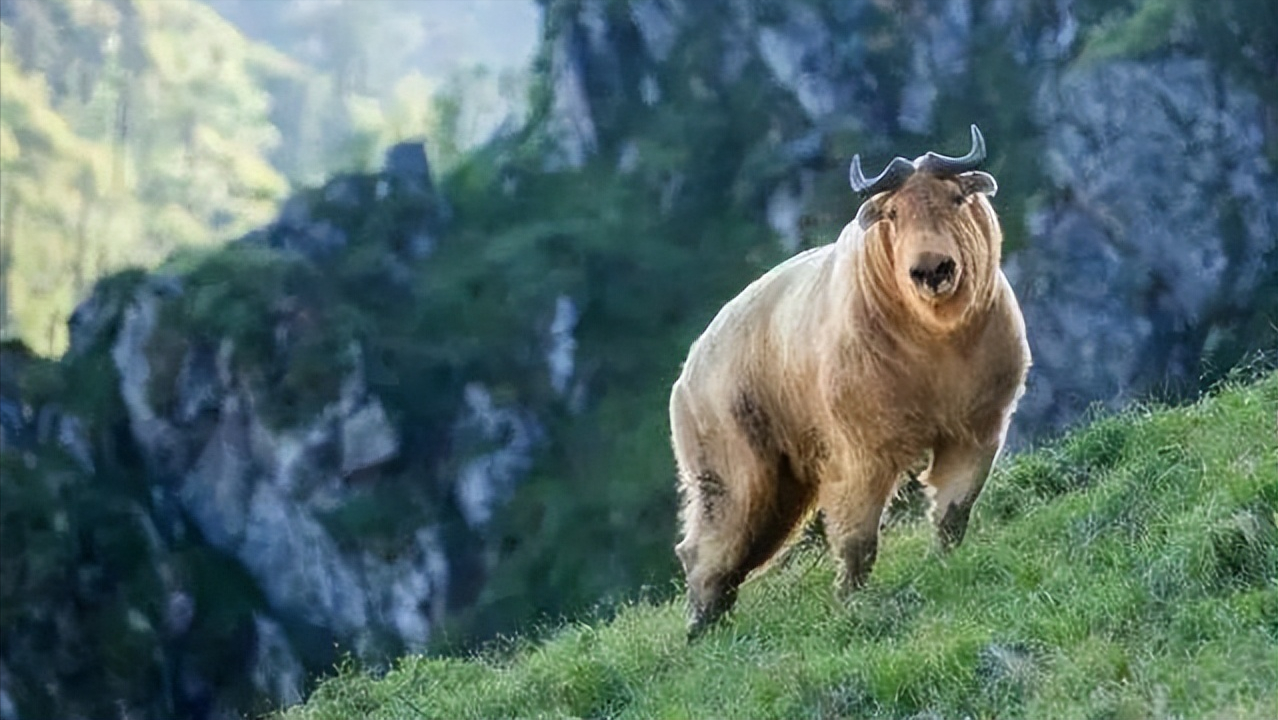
(942, 165)
(892, 177)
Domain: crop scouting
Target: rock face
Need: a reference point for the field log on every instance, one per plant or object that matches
(263, 442)
(266, 495)
(1165, 210)
(1143, 230)
(258, 493)
(486, 480)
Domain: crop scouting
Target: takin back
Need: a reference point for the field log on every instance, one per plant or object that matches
(827, 378)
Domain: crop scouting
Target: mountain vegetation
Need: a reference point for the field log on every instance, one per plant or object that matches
(130, 130)
(133, 129)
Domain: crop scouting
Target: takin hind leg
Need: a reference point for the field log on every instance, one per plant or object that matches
(954, 481)
(732, 529)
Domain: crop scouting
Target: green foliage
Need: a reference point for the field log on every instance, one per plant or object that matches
(92, 561)
(1142, 582)
(222, 632)
(604, 509)
(286, 333)
(130, 129)
(1145, 30)
(80, 592)
(646, 256)
(47, 181)
(85, 591)
(381, 517)
(119, 152)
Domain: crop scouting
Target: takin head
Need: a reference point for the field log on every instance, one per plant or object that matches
(939, 231)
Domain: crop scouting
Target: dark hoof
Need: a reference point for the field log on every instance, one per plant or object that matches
(696, 628)
(858, 559)
(704, 617)
(953, 527)
(699, 625)
(846, 586)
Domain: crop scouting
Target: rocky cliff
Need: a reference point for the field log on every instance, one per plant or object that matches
(1140, 195)
(279, 512)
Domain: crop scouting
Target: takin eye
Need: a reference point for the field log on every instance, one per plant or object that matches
(958, 199)
(891, 214)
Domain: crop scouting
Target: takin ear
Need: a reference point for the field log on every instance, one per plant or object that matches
(977, 182)
(871, 212)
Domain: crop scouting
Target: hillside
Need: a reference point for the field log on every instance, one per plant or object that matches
(1130, 570)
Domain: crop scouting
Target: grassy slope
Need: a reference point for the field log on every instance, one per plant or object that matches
(1128, 571)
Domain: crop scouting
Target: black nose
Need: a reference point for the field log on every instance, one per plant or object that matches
(933, 270)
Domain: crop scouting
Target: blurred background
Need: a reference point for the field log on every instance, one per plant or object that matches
(341, 329)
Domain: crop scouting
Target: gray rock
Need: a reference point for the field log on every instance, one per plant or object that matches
(8, 710)
(217, 488)
(797, 53)
(561, 354)
(46, 423)
(276, 673)
(628, 157)
(322, 239)
(73, 437)
(491, 473)
(295, 213)
(295, 229)
(13, 424)
(939, 56)
(162, 444)
(658, 23)
(570, 127)
(407, 167)
(90, 322)
(179, 612)
(368, 439)
(260, 494)
(650, 90)
(343, 191)
(785, 209)
(412, 590)
(670, 191)
(199, 383)
(299, 566)
(420, 245)
(1129, 264)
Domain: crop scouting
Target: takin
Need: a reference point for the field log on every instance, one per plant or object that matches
(827, 378)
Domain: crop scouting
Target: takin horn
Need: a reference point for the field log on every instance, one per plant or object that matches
(943, 165)
(892, 177)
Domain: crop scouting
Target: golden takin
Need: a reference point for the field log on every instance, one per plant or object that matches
(828, 377)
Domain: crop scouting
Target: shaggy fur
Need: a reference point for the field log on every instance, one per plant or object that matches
(830, 375)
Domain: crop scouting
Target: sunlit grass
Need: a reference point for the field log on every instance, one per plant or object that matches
(1129, 571)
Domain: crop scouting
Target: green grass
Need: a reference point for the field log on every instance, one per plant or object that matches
(1128, 571)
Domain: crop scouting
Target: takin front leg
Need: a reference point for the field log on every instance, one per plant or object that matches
(852, 509)
(731, 529)
(954, 480)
